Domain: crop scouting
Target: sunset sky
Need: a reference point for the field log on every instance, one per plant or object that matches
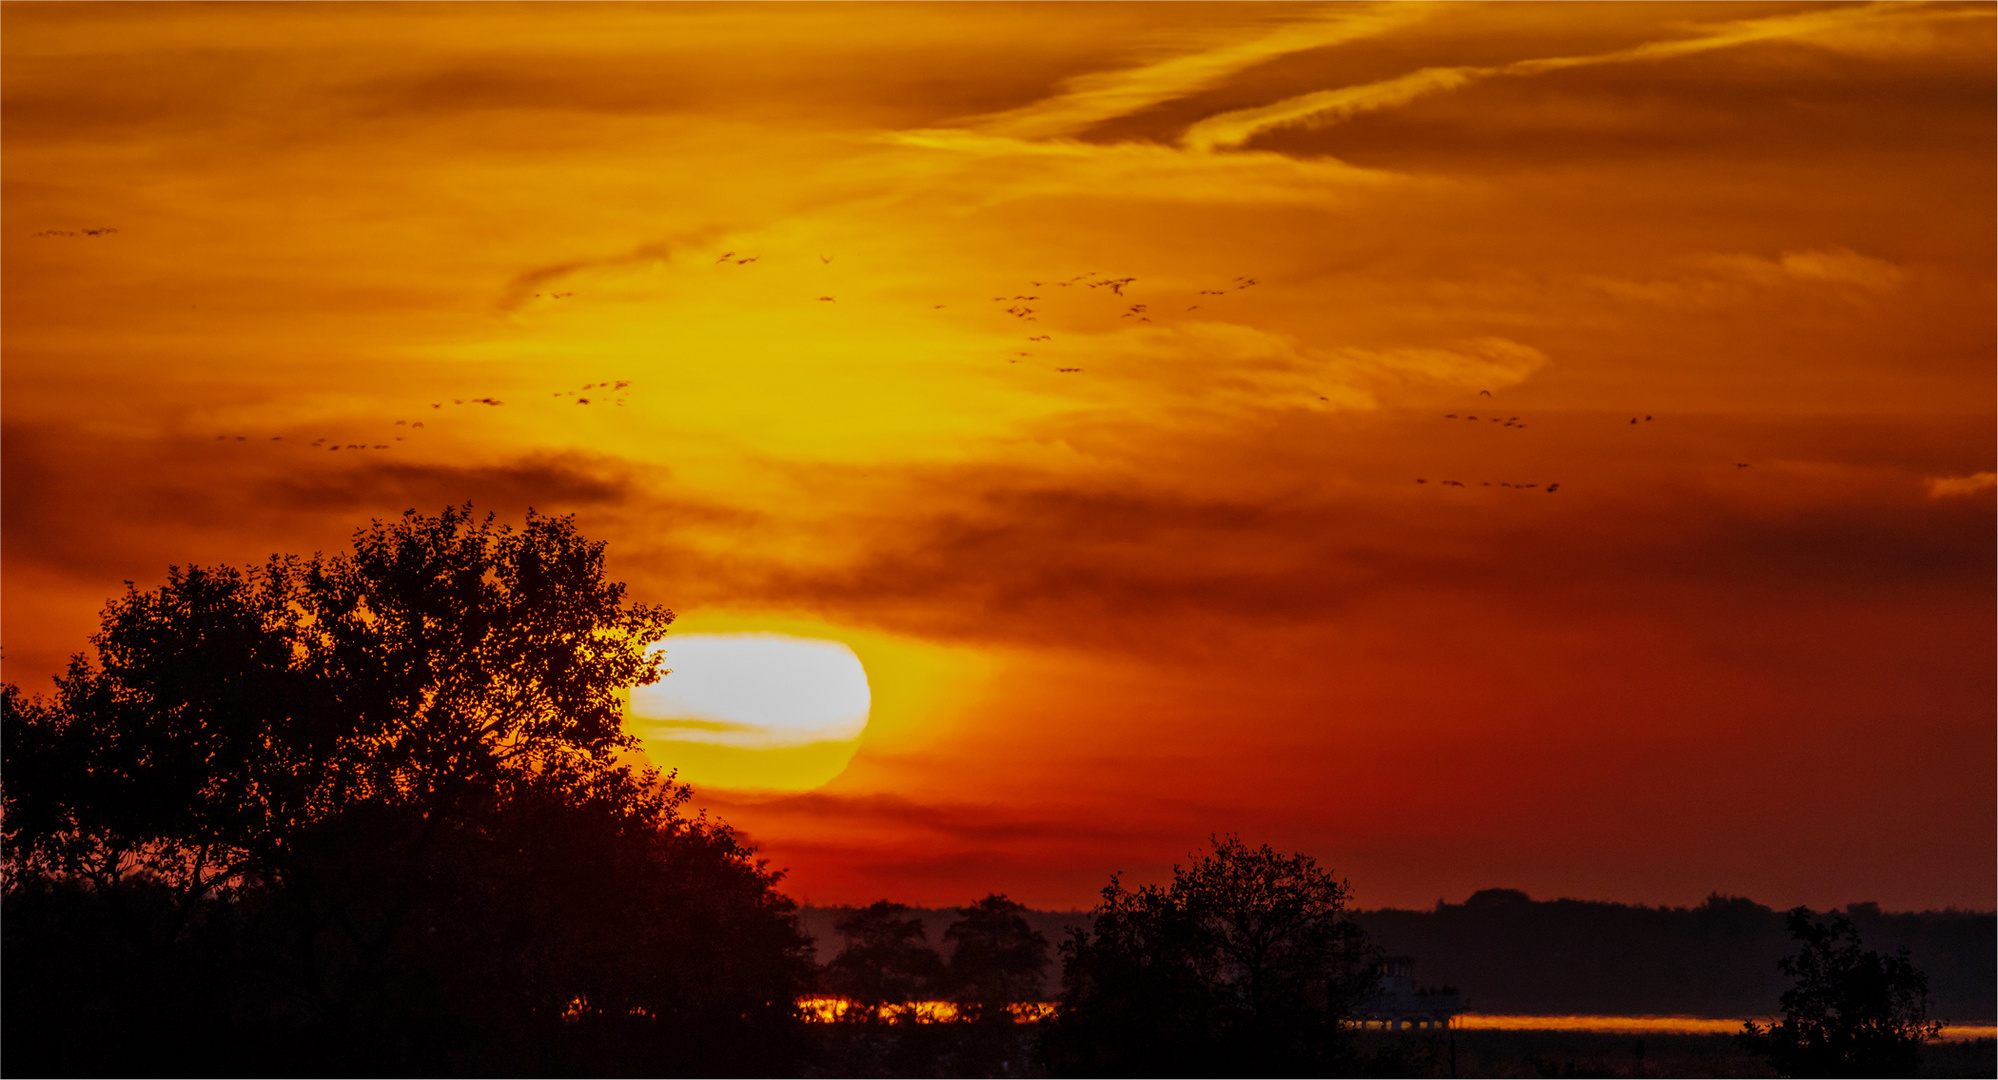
(1147, 556)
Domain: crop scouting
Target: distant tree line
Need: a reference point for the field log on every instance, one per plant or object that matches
(1513, 954)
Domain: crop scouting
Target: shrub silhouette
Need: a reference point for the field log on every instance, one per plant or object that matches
(1853, 1011)
(373, 813)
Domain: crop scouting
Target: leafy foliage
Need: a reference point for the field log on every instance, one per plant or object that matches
(373, 813)
(1245, 963)
(1853, 1011)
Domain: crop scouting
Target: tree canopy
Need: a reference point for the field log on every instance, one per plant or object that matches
(376, 811)
(887, 959)
(1852, 1012)
(1245, 963)
(996, 959)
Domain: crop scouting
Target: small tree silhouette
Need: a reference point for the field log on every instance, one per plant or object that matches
(1245, 964)
(999, 959)
(885, 961)
(1853, 1012)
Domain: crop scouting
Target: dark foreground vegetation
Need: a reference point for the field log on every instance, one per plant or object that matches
(371, 814)
(375, 814)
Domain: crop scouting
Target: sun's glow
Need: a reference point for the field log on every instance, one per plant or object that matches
(910, 692)
(754, 691)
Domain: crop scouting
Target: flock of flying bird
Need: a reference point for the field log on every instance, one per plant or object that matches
(1018, 304)
(608, 392)
(613, 391)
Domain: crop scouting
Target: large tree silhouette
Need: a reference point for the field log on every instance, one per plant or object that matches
(375, 812)
(1245, 964)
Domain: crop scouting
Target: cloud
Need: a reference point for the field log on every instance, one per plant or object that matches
(106, 506)
(1947, 487)
(1483, 364)
(1732, 279)
(522, 287)
(1232, 129)
(1088, 100)
(1835, 266)
(1236, 127)
(959, 821)
(998, 167)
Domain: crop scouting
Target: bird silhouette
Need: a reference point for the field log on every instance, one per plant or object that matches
(1486, 393)
(825, 258)
(826, 299)
(1741, 464)
(725, 256)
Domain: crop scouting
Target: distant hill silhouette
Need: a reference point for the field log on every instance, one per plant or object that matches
(1509, 953)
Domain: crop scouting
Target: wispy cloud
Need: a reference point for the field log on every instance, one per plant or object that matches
(1068, 167)
(1739, 278)
(1946, 487)
(1234, 128)
(1088, 100)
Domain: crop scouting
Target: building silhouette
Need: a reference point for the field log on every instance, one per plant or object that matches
(1401, 1003)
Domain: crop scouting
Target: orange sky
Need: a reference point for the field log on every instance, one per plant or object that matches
(1192, 586)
